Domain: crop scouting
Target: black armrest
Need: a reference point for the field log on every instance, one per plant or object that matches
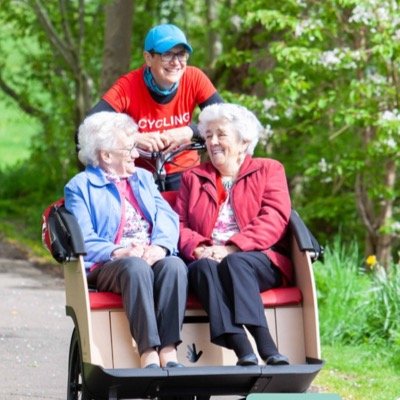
(305, 239)
(66, 240)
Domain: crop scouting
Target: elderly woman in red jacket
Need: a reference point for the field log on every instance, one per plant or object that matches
(234, 211)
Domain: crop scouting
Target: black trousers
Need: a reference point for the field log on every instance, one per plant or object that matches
(230, 290)
(154, 298)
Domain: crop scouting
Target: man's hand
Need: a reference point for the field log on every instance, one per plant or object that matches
(150, 141)
(173, 138)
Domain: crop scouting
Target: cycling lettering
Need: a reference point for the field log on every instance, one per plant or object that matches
(164, 123)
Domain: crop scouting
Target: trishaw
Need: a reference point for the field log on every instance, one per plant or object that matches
(103, 357)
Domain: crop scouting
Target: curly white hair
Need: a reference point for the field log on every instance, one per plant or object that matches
(98, 132)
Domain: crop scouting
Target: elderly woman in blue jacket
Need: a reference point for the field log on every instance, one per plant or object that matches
(131, 235)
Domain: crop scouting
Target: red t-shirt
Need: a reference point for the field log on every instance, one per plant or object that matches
(130, 95)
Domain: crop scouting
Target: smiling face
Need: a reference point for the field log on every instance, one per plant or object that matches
(120, 160)
(225, 149)
(166, 73)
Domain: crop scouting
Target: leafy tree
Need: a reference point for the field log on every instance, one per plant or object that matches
(326, 74)
(57, 45)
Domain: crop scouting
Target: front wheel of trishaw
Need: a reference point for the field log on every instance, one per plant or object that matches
(76, 389)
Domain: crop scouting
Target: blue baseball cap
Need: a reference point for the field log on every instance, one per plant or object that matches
(164, 37)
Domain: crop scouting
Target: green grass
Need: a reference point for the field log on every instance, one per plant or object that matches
(16, 131)
(361, 372)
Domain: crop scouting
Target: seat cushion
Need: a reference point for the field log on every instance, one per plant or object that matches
(278, 297)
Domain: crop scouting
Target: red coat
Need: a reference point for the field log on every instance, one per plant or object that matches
(260, 201)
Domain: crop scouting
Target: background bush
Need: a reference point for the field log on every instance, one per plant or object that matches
(357, 305)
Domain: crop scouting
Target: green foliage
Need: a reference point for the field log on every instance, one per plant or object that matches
(330, 89)
(382, 306)
(356, 306)
(16, 131)
(341, 287)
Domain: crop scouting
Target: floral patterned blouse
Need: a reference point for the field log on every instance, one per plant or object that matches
(226, 225)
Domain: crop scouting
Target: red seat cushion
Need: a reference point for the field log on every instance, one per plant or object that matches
(278, 297)
(104, 300)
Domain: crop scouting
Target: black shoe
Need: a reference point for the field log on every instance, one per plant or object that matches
(173, 364)
(152, 365)
(277, 359)
(250, 359)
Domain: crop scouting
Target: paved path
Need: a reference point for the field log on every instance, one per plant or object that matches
(34, 333)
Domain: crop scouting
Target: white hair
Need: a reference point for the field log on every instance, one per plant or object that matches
(245, 123)
(98, 132)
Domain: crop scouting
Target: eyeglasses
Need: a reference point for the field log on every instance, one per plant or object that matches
(129, 150)
(169, 56)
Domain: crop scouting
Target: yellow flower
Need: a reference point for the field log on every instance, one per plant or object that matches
(371, 261)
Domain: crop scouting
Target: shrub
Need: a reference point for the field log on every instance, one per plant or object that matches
(383, 305)
(357, 306)
(341, 287)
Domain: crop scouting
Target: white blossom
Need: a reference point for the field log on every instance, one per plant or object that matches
(323, 165)
(265, 135)
(357, 55)
(374, 11)
(391, 143)
(383, 14)
(302, 3)
(361, 15)
(300, 28)
(268, 103)
(307, 25)
(237, 22)
(390, 115)
(331, 58)
(396, 226)
(289, 112)
(376, 78)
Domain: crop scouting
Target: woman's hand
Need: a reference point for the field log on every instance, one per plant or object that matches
(153, 253)
(219, 252)
(134, 250)
(202, 252)
(216, 252)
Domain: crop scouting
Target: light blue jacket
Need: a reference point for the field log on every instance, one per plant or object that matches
(96, 203)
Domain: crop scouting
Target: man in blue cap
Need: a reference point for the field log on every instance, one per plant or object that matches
(161, 97)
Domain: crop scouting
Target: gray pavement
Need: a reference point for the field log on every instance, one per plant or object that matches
(34, 333)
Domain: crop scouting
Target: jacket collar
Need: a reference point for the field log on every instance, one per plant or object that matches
(97, 177)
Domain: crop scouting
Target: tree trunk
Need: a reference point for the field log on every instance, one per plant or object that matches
(117, 41)
(214, 39)
(377, 240)
(83, 96)
(384, 246)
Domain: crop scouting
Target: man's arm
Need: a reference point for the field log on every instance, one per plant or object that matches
(215, 98)
(102, 105)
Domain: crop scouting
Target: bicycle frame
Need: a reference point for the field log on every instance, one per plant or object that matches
(161, 159)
